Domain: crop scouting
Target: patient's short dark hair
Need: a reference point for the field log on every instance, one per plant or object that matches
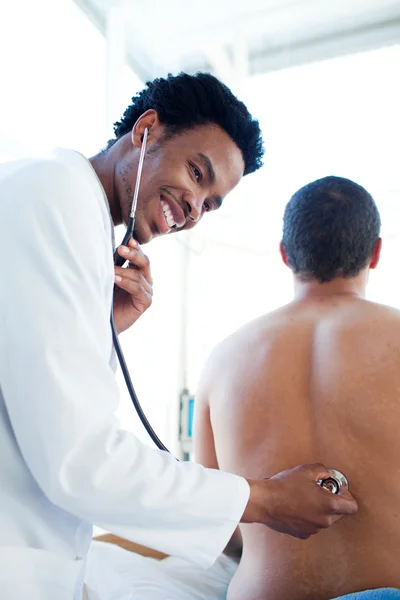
(330, 228)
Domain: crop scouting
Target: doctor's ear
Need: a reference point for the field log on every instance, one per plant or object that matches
(149, 120)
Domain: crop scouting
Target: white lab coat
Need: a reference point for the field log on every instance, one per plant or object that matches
(64, 461)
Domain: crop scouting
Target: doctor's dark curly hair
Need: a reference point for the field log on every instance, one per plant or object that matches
(186, 101)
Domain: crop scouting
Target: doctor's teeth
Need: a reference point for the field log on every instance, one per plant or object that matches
(168, 214)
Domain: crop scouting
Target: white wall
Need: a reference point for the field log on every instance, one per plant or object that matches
(53, 70)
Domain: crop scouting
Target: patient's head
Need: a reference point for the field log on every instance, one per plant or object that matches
(331, 229)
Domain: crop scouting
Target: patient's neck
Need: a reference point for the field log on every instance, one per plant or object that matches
(340, 286)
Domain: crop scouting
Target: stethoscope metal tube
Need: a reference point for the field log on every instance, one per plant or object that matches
(119, 261)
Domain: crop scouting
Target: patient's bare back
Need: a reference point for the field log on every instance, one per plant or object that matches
(315, 381)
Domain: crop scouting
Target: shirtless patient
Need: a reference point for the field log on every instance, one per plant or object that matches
(316, 380)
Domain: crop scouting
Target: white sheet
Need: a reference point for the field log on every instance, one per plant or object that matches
(116, 574)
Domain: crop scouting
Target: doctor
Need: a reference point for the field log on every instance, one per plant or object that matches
(64, 462)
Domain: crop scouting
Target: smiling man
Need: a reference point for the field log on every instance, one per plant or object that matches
(64, 461)
(202, 140)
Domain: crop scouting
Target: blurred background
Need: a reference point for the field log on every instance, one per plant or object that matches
(321, 77)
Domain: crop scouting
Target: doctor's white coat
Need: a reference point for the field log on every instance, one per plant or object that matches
(64, 462)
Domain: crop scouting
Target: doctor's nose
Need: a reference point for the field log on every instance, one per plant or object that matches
(193, 208)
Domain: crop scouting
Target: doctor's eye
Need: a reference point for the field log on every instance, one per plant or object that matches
(196, 173)
(207, 206)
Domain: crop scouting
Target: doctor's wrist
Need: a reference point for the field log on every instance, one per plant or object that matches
(256, 510)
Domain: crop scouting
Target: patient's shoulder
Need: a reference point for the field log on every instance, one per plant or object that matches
(378, 321)
(258, 330)
(384, 310)
(240, 345)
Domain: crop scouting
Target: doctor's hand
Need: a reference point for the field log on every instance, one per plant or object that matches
(133, 286)
(292, 502)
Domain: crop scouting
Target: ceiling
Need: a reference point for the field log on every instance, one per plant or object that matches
(236, 38)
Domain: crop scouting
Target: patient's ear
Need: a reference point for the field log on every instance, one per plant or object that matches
(283, 254)
(376, 254)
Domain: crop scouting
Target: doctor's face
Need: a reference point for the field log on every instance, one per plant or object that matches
(183, 178)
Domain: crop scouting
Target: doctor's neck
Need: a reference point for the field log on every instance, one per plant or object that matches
(110, 166)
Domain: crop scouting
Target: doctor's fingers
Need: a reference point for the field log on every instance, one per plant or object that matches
(140, 298)
(133, 278)
(137, 259)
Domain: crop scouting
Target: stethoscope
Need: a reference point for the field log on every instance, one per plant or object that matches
(120, 261)
(333, 484)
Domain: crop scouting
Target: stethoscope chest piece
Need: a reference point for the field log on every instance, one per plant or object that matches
(334, 483)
